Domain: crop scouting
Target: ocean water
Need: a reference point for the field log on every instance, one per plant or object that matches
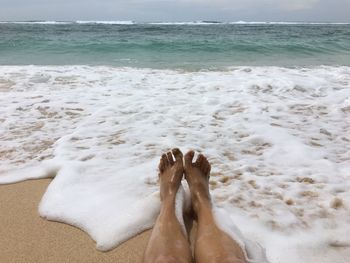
(186, 46)
(94, 105)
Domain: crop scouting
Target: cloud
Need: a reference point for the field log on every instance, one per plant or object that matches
(177, 10)
(285, 5)
(299, 4)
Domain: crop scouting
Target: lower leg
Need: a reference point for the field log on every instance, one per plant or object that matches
(212, 244)
(168, 242)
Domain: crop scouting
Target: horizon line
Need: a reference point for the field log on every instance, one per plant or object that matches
(130, 22)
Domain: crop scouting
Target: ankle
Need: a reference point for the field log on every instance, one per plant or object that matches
(202, 204)
(168, 202)
(205, 215)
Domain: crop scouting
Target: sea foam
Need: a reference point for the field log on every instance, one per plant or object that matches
(105, 22)
(277, 138)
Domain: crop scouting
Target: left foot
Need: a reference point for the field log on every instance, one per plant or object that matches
(197, 176)
(170, 173)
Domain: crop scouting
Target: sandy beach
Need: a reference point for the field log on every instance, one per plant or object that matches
(26, 237)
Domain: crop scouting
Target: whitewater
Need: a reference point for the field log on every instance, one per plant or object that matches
(277, 138)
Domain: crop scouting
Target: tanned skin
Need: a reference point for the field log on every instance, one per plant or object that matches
(168, 243)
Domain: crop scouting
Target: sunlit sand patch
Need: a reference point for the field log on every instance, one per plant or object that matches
(225, 179)
(5, 85)
(254, 184)
(115, 139)
(290, 202)
(337, 203)
(7, 153)
(230, 156)
(313, 143)
(48, 113)
(67, 80)
(306, 180)
(309, 194)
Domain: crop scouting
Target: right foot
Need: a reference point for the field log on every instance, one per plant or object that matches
(170, 174)
(197, 176)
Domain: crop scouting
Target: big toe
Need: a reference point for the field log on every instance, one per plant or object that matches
(170, 158)
(165, 161)
(161, 165)
(188, 158)
(178, 155)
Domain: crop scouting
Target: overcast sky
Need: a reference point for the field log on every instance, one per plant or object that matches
(177, 10)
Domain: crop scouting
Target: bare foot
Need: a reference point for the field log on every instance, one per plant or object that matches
(197, 176)
(170, 174)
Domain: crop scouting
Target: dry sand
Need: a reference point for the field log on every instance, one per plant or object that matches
(26, 237)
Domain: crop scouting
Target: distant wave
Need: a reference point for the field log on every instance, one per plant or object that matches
(105, 22)
(127, 22)
(288, 23)
(243, 23)
(37, 22)
(69, 22)
(187, 23)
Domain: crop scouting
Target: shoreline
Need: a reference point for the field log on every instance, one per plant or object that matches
(26, 237)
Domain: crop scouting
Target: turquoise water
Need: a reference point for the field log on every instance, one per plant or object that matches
(208, 46)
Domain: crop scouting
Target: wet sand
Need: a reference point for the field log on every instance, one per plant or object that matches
(26, 237)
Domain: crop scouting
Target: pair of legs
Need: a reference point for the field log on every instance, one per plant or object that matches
(168, 243)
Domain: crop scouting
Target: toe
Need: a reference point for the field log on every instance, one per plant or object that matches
(199, 160)
(178, 155)
(204, 161)
(161, 165)
(189, 158)
(170, 158)
(165, 161)
(207, 168)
